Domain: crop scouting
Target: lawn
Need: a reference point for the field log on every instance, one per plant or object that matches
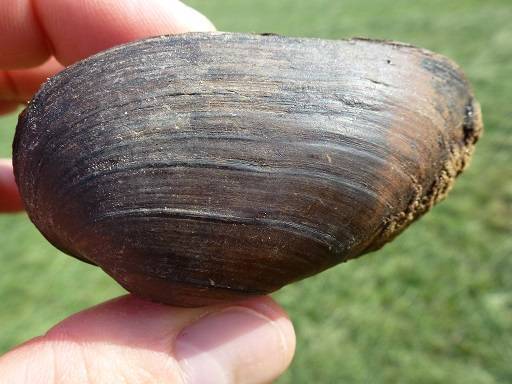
(435, 306)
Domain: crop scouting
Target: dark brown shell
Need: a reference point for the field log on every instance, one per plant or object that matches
(205, 167)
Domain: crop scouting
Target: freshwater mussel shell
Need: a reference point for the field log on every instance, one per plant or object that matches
(212, 166)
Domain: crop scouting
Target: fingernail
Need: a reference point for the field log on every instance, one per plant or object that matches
(235, 345)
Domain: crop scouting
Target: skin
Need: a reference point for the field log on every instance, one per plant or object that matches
(126, 340)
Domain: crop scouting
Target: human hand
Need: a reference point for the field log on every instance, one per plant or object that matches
(125, 340)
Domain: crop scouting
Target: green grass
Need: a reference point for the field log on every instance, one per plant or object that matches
(435, 306)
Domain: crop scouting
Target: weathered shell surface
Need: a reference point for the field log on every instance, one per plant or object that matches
(205, 167)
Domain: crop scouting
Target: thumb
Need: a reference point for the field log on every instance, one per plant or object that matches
(134, 341)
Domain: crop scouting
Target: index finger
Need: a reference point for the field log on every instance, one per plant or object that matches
(31, 31)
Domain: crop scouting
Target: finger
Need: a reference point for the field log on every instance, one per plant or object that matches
(139, 341)
(22, 43)
(19, 85)
(79, 28)
(7, 107)
(9, 198)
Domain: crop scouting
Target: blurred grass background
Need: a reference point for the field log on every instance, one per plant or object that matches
(435, 306)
